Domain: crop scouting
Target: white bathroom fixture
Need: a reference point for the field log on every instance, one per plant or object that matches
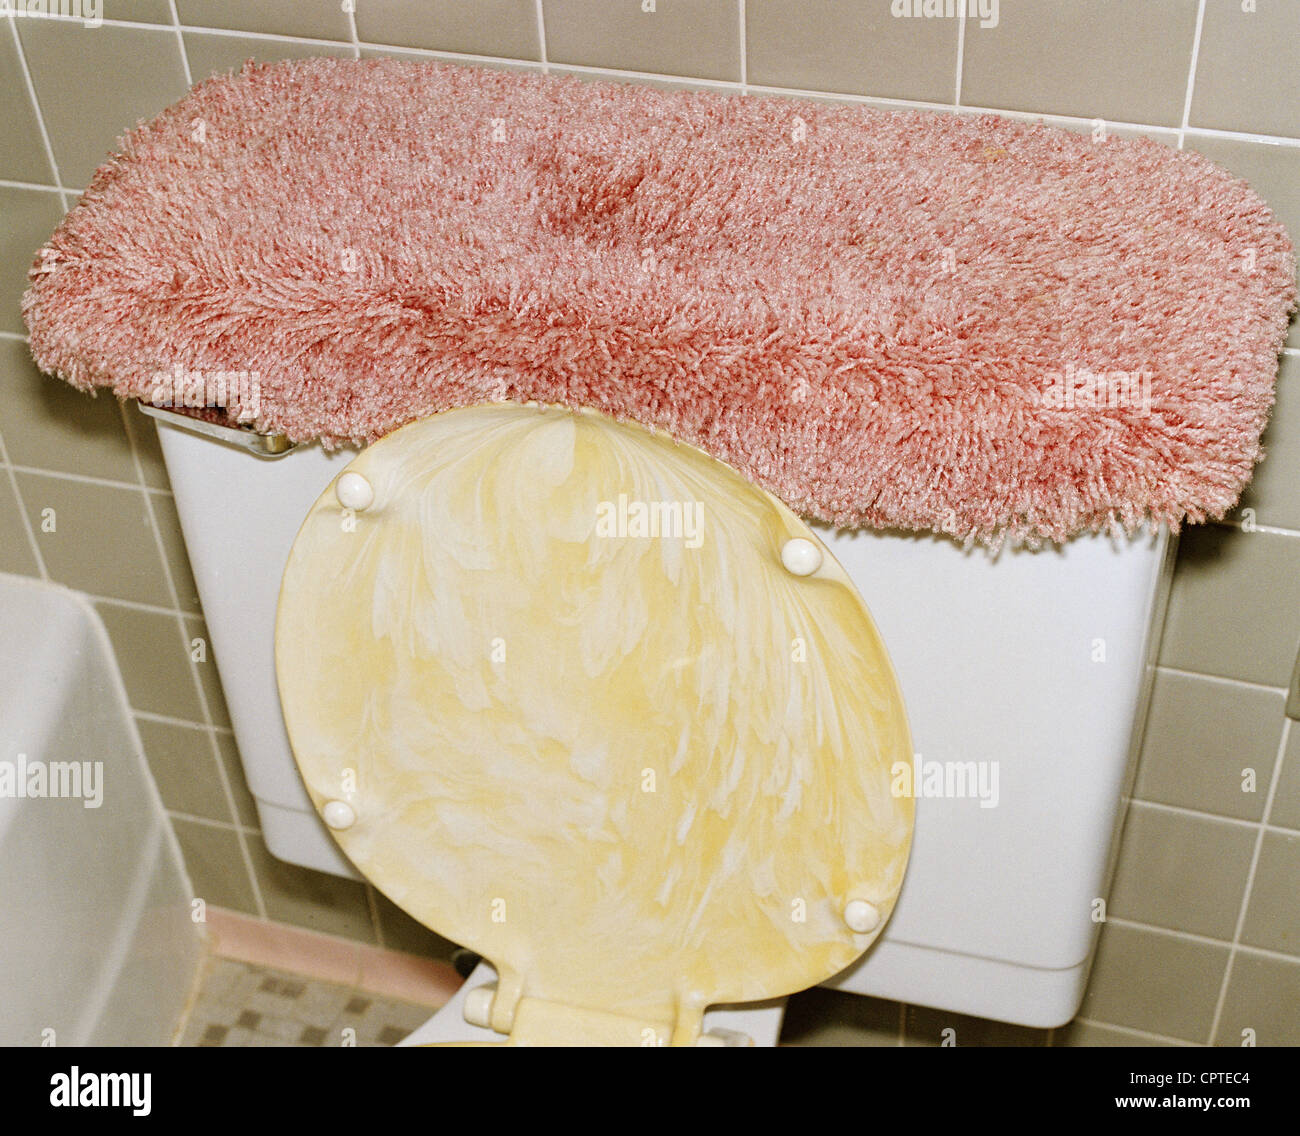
(1024, 675)
(98, 944)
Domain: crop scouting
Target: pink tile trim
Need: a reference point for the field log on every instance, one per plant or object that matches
(375, 970)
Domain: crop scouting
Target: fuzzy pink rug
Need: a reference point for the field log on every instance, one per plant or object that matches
(914, 320)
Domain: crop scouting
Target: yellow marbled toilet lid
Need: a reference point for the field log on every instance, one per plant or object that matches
(547, 677)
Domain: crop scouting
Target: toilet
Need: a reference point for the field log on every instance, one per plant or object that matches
(588, 702)
(1032, 667)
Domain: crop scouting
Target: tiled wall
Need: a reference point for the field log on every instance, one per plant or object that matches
(1204, 936)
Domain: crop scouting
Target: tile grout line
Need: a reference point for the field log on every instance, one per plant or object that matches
(743, 17)
(1250, 881)
(241, 831)
(721, 85)
(1282, 141)
(231, 33)
(1222, 680)
(89, 479)
(48, 146)
(169, 720)
(1199, 814)
(214, 750)
(350, 7)
(6, 183)
(136, 605)
(1203, 940)
(180, 43)
(40, 113)
(1191, 74)
(21, 502)
(372, 907)
(1133, 1031)
(961, 56)
(1265, 530)
(1267, 953)
(541, 38)
(212, 822)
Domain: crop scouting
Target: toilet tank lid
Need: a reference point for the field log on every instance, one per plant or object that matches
(926, 321)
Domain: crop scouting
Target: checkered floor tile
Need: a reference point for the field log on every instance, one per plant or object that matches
(245, 1005)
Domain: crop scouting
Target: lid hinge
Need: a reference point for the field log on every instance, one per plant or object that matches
(537, 1022)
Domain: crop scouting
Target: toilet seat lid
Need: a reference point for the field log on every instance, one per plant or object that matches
(549, 680)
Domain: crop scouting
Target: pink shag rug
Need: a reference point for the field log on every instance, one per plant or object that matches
(911, 320)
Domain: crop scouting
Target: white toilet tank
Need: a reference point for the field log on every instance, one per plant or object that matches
(1025, 677)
